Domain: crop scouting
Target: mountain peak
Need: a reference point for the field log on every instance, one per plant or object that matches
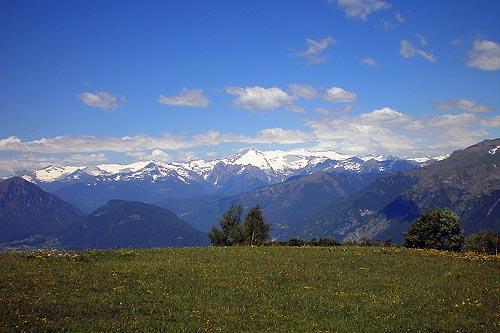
(116, 225)
(15, 181)
(247, 150)
(26, 209)
(250, 156)
(53, 172)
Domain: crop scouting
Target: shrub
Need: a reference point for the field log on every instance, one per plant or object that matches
(484, 241)
(436, 229)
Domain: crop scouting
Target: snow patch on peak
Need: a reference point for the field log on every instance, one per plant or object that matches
(327, 154)
(441, 157)
(55, 172)
(422, 159)
(425, 159)
(348, 165)
(26, 177)
(250, 156)
(200, 167)
(494, 150)
(378, 158)
(122, 168)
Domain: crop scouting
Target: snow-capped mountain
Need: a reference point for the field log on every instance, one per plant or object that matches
(276, 165)
(244, 171)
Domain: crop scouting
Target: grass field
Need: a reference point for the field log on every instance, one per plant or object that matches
(276, 289)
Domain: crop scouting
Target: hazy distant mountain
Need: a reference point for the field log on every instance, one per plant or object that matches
(467, 182)
(121, 224)
(286, 205)
(26, 210)
(152, 181)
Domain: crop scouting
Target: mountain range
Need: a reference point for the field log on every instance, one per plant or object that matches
(152, 181)
(373, 204)
(302, 194)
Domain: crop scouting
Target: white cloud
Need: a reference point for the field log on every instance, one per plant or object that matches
(408, 50)
(11, 164)
(295, 108)
(360, 9)
(282, 136)
(267, 135)
(323, 111)
(485, 55)
(142, 144)
(491, 122)
(421, 39)
(186, 156)
(192, 98)
(400, 18)
(102, 100)
(447, 121)
(328, 112)
(370, 62)
(259, 98)
(384, 130)
(159, 154)
(348, 136)
(315, 49)
(385, 116)
(337, 94)
(392, 24)
(388, 131)
(456, 42)
(462, 104)
(85, 144)
(303, 91)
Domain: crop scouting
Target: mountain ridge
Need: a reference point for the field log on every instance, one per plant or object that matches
(27, 210)
(468, 182)
(238, 173)
(122, 224)
(285, 162)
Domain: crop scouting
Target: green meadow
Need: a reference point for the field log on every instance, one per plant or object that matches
(250, 289)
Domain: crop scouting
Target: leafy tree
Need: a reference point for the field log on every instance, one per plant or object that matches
(255, 228)
(231, 228)
(484, 241)
(217, 237)
(436, 229)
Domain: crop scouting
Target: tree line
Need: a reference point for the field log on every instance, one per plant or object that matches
(434, 229)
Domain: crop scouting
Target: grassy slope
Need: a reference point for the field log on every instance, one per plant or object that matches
(250, 289)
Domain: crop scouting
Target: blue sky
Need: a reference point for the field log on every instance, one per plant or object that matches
(117, 81)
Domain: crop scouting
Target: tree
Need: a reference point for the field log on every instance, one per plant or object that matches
(484, 241)
(436, 229)
(231, 228)
(217, 237)
(255, 228)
